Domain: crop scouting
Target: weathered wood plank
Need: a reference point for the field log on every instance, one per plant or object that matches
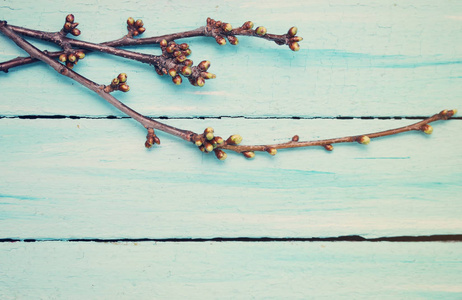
(376, 58)
(93, 178)
(231, 270)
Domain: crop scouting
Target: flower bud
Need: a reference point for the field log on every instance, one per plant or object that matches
(156, 140)
(62, 58)
(208, 75)
(235, 139)
(248, 154)
(70, 18)
(227, 27)
(141, 30)
(218, 140)
(202, 148)
(180, 59)
(80, 54)
(292, 31)
(329, 147)
(248, 25)
(188, 62)
(69, 64)
(163, 43)
(170, 49)
(139, 23)
(218, 24)
(147, 144)
(186, 71)
(271, 150)
(187, 52)
(75, 32)
(71, 57)
(220, 154)
(124, 88)
(200, 81)
(295, 138)
(115, 82)
(260, 30)
(204, 65)
(233, 40)
(208, 147)
(208, 133)
(135, 32)
(177, 79)
(183, 46)
(296, 39)
(172, 72)
(198, 141)
(428, 129)
(364, 140)
(220, 40)
(294, 46)
(122, 77)
(130, 21)
(67, 26)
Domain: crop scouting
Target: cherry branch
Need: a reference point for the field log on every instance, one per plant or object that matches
(206, 141)
(217, 29)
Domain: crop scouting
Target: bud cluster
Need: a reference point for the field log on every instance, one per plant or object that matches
(70, 26)
(219, 30)
(151, 138)
(208, 142)
(135, 27)
(292, 39)
(176, 63)
(118, 84)
(71, 59)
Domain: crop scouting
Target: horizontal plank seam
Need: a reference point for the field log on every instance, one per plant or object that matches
(348, 238)
(112, 117)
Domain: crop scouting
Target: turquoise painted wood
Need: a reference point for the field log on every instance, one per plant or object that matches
(93, 178)
(231, 270)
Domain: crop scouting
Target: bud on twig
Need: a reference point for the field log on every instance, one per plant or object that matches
(428, 129)
(292, 31)
(260, 30)
(248, 154)
(204, 65)
(235, 139)
(329, 147)
(271, 150)
(295, 138)
(220, 154)
(364, 140)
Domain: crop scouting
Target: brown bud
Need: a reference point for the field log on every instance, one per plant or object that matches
(70, 18)
(208, 147)
(200, 81)
(122, 77)
(158, 71)
(248, 25)
(218, 24)
(235, 139)
(233, 40)
(170, 48)
(364, 140)
(71, 57)
(329, 147)
(141, 30)
(115, 82)
(186, 71)
(172, 72)
(156, 140)
(295, 138)
(220, 154)
(296, 39)
(208, 133)
(218, 140)
(62, 58)
(188, 62)
(180, 58)
(294, 46)
(227, 27)
(67, 26)
(135, 32)
(271, 150)
(202, 148)
(260, 30)
(147, 144)
(208, 75)
(187, 52)
(220, 40)
(198, 140)
(139, 23)
(130, 21)
(69, 64)
(124, 88)
(428, 129)
(73, 25)
(75, 32)
(204, 65)
(249, 154)
(183, 46)
(149, 141)
(80, 54)
(177, 80)
(177, 53)
(292, 31)
(163, 43)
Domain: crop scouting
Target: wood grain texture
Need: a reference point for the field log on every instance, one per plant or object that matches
(231, 270)
(93, 178)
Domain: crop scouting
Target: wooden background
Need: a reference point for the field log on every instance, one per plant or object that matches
(87, 212)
